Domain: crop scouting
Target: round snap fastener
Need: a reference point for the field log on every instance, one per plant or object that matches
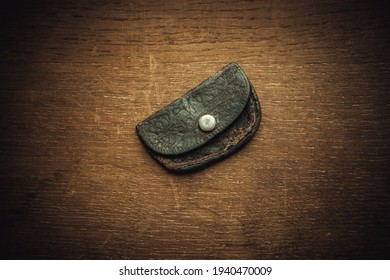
(207, 123)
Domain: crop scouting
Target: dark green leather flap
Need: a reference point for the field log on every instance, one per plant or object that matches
(175, 130)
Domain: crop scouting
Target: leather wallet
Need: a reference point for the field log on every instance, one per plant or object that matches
(207, 124)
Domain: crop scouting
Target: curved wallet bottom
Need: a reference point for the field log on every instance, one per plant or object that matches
(232, 135)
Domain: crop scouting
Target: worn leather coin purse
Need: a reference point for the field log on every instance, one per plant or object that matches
(207, 124)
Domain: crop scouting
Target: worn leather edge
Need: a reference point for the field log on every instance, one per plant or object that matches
(187, 167)
(145, 135)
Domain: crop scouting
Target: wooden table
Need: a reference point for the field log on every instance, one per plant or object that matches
(76, 78)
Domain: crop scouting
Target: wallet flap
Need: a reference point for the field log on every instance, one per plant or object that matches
(175, 129)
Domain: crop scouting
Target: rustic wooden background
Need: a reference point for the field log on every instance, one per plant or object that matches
(76, 78)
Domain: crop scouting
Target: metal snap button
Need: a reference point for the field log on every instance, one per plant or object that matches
(207, 123)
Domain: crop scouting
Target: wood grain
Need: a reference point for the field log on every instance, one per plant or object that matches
(76, 182)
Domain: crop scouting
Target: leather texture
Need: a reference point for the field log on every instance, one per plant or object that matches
(173, 136)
